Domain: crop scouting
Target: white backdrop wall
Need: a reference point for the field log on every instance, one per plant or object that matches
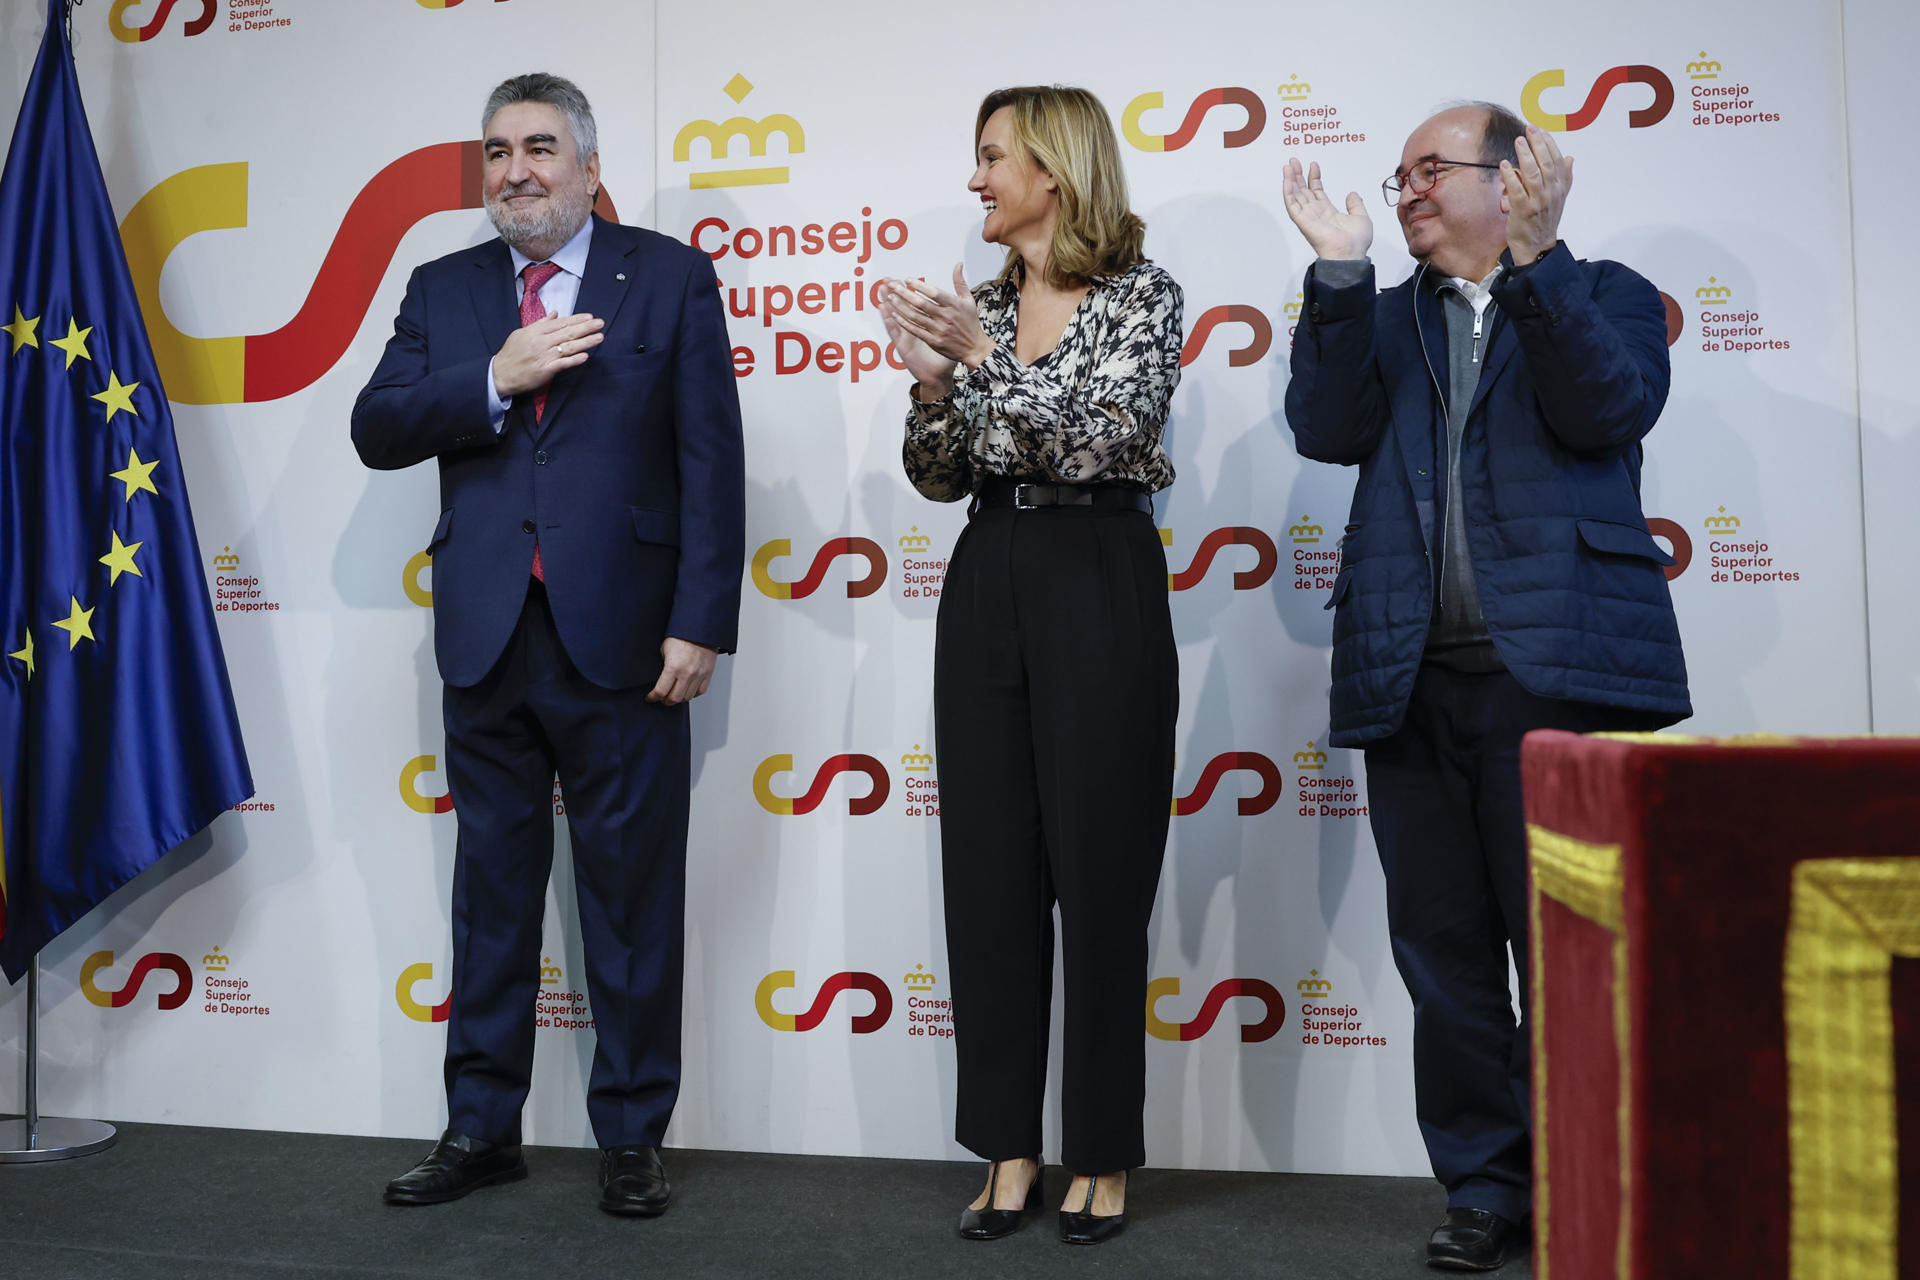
(314, 923)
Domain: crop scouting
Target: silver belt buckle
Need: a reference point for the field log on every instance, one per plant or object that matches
(1021, 493)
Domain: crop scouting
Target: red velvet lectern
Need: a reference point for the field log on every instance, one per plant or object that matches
(1726, 1006)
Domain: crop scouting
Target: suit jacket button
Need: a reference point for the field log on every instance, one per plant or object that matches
(540, 458)
(526, 526)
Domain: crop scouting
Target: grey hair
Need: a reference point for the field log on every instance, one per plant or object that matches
(561, 94)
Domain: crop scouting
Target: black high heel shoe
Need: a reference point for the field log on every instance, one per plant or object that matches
(1088, 1227)
(991, 1223)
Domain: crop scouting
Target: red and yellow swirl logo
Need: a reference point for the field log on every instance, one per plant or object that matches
(1251, 1033)
(410, 792)
(1229, 762)
(1609, 80)
(863, 1023)
(268, 366)
(1678, 540)
(834, 548)
(1246, 99)
(91, 988)
(1266, 558)
(1259, 339)
(773, 766)
(122, 30)
(410, 977)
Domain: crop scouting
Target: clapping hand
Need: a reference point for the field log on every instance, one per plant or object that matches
(1536, 183)
(933, 330)
(1331, 233)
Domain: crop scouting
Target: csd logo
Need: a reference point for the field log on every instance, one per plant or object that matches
(1189, 129)
(1266, 558)
(445, 4)
(182, 977)
(835, 765)
(817, 571)
(1259, 339)
(1218, 768)
(267, 366)
(1610, 79)
(117, 20)
(1681, 545)
(1252, 1033)
(781, 979)
(413, 975)
(416, 799)
(410, 583)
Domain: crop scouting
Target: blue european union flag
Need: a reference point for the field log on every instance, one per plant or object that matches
(118, 737)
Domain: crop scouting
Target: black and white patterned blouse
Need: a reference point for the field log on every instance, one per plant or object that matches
(1090, 411)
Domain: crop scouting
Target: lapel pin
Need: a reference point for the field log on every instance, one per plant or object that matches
(621, 276)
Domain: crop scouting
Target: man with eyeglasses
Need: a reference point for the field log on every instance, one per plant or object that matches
(1496, 576)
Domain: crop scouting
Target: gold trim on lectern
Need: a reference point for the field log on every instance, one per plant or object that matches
(1850, 918)
(1587, 880)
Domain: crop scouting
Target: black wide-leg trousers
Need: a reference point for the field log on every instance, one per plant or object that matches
(1056, 685)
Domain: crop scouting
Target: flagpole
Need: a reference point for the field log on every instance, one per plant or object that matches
(34, 1137)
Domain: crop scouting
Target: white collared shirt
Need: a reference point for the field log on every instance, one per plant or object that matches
(557, 295)
(1479, 294)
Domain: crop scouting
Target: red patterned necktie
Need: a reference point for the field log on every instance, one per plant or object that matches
(536, 275)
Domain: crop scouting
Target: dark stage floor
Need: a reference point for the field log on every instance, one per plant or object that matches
(229, 1204)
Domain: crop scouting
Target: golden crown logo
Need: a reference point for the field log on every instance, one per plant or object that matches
(1705, 69)
(226, 559)
(1723, 523)
(916, 760)
(213, 960)
(1295, 89)
(1293, 308)
(914, 540)
(1313, 986)
(1305, 531)
(549, 972)
(920, 979)
(1713, 293)
(720, 135)
(1309, 759)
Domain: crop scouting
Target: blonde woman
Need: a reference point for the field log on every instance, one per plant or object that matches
(1041, 397)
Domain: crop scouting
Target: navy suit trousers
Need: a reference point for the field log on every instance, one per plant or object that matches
(623, 765)
(1444, 799)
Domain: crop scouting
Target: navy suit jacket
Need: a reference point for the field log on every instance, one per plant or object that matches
(632, 480)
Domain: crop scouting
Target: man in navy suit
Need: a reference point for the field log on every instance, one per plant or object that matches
(574, 380)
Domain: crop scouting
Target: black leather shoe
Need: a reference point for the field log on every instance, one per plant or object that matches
(632, 1183)
(991, 1223)
(456, 1165)
(1474, 1240)
(1087, 1227)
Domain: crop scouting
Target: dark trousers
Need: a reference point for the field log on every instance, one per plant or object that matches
(623, 768)
(1444, 799)
(1055, 688)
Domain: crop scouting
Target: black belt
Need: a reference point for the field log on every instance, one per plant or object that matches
(998, 491)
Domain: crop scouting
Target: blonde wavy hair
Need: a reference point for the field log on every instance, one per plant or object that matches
(1067, 133)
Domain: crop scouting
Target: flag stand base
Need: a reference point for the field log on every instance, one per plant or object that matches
(34, 1137)
(53, 1138)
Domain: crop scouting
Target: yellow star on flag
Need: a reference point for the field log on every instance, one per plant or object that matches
(26, 654)
(137, 475)
(117, 396)
(120, 560)
(21, 331)
(75, 344)
(78, 625)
